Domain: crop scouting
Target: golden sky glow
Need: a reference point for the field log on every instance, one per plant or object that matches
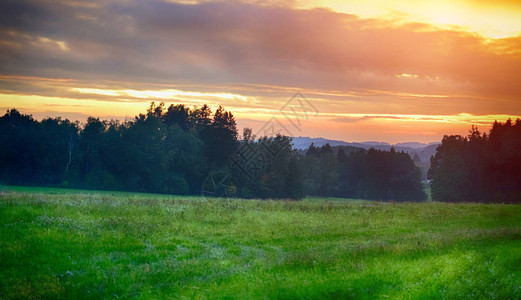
(494, 19)
(391, 71)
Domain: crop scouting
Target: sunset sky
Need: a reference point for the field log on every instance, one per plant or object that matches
(373, 70)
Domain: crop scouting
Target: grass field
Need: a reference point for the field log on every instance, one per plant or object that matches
(82, 244)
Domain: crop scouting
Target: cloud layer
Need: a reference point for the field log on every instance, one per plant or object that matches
(260, 52)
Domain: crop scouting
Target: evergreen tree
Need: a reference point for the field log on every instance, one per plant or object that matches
(479, 167)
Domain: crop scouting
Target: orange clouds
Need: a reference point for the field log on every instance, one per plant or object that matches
(251, 58)
(494, 19)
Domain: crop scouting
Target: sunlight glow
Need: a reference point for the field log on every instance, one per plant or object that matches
(157, 94)
(329, 124)
(407, 75)
(462, 118)
(60, 44)
(487, 18)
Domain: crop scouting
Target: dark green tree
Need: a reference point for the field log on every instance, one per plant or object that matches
(178, 115)
(19, 148)
(449, 174)
(221, 138)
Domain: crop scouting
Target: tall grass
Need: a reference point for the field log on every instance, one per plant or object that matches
(120, 245)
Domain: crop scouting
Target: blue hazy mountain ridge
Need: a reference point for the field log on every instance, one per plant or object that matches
(423, 150)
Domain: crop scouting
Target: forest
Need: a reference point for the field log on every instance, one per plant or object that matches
(177, 149)
(182, 150)
(479, 167)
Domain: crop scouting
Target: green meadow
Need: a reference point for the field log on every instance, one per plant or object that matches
(57, 244)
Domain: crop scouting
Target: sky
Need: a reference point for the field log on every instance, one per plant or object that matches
(373, 70)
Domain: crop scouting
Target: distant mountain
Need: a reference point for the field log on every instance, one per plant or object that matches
(426, 152)
(416, 144)
(412, 145)
(303, 143)
(374, 144)
(423, 150)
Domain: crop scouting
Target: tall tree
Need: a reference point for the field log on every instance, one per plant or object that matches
(479, 167)
(90, 144)
(448, 172)
(19, 143)
(177, 115)
(222, 140)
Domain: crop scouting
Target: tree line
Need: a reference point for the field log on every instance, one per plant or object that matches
(182, 150)
(165, 150)
(362, 174)
(479, 167)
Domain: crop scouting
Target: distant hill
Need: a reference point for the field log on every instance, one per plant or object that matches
(303, 143)
(423, 150)
(374, 144)
(414, 145)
